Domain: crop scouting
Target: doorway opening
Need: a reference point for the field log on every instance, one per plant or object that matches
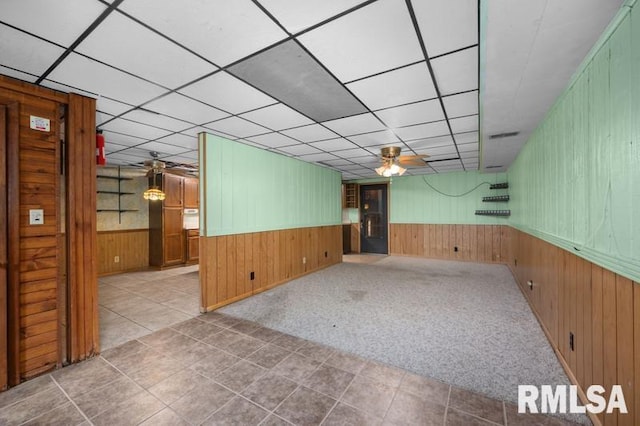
(374, 224)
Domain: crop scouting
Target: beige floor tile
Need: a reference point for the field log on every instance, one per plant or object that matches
(305, 407)
(238, 411)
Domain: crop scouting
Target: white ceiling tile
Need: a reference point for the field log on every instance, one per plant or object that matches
(133, 128)
(430, 142)
(377, 37)
(120, 41)
(277, 117)
(468, 147)
(462, 104)
(447, 25)
(300, 149)
(18, 74)
(61, 22)
(122, 159)
(26, 53)
(355, 124)
(101, 117)
(162, 149)
(138, 154)
(237, 126)
(180, 160)
(227, 93)
(468, 137)
(439, 128)
(338, 162)
(121, 139)
(397, 87)
(156, 120)
(469, 155)
(457, 72)
(448, 150)
(273, 140)
(68, 89)
(180, 140)
(113, 147)
(318, 157)
(194, 131)
(420, 112)
(377, 138)
(220, 30)
(334, 144)
(86, 74)
(312, 133)
(464, 124)
(191, 154)
(298, 16)
(181, 107)
(110, 106)
(352, 153)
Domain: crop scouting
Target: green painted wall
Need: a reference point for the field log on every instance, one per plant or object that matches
(250, 190)
(576, 183)
(414, 201)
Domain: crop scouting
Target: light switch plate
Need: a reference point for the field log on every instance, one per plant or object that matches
(36, 217)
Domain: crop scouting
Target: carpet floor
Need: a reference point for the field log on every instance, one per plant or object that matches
(463, 323)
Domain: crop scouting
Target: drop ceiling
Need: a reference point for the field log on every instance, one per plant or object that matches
(325, 81)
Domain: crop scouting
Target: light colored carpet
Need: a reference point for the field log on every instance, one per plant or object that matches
(463, 323)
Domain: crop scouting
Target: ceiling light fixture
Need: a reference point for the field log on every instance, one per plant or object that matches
(390, 168)
(154, 193)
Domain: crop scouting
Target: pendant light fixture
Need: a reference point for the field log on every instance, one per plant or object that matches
(154, 193)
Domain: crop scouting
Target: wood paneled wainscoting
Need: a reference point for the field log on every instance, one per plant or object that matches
(475, 243)
(601, 309)
(131, 247)
(233, 267)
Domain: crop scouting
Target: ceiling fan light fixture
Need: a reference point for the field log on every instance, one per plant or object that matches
(388, 170)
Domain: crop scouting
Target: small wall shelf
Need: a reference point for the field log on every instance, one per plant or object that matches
(503, 185)
(119, 193)
(496, 198)
(493, 212)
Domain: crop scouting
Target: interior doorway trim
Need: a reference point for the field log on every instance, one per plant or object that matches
(9, 245)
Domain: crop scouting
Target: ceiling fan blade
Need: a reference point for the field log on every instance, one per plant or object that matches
(412, 160)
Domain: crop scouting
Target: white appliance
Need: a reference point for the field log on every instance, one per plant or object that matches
(190, 219)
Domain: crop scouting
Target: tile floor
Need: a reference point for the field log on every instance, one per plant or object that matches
(215, 369)
(137, 303)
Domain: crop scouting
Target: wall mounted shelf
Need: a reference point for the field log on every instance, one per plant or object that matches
(119, 193)
(503, 185)
(493, 212)
(496, 198)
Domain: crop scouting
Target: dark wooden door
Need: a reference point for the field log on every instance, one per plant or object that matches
(172, 187)
(173, 236)
(191, 195)
(374, 227)
(4, 372)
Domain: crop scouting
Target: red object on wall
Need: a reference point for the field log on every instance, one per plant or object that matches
(101, 158)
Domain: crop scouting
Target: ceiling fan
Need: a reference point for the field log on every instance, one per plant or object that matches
(155, 166)
(392, 161)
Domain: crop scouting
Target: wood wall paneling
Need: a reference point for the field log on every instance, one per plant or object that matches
(131, 247)
(38, 162)
(475, 243)
(601, 309)
(81, 229)
(4, 370)
(274, 257)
